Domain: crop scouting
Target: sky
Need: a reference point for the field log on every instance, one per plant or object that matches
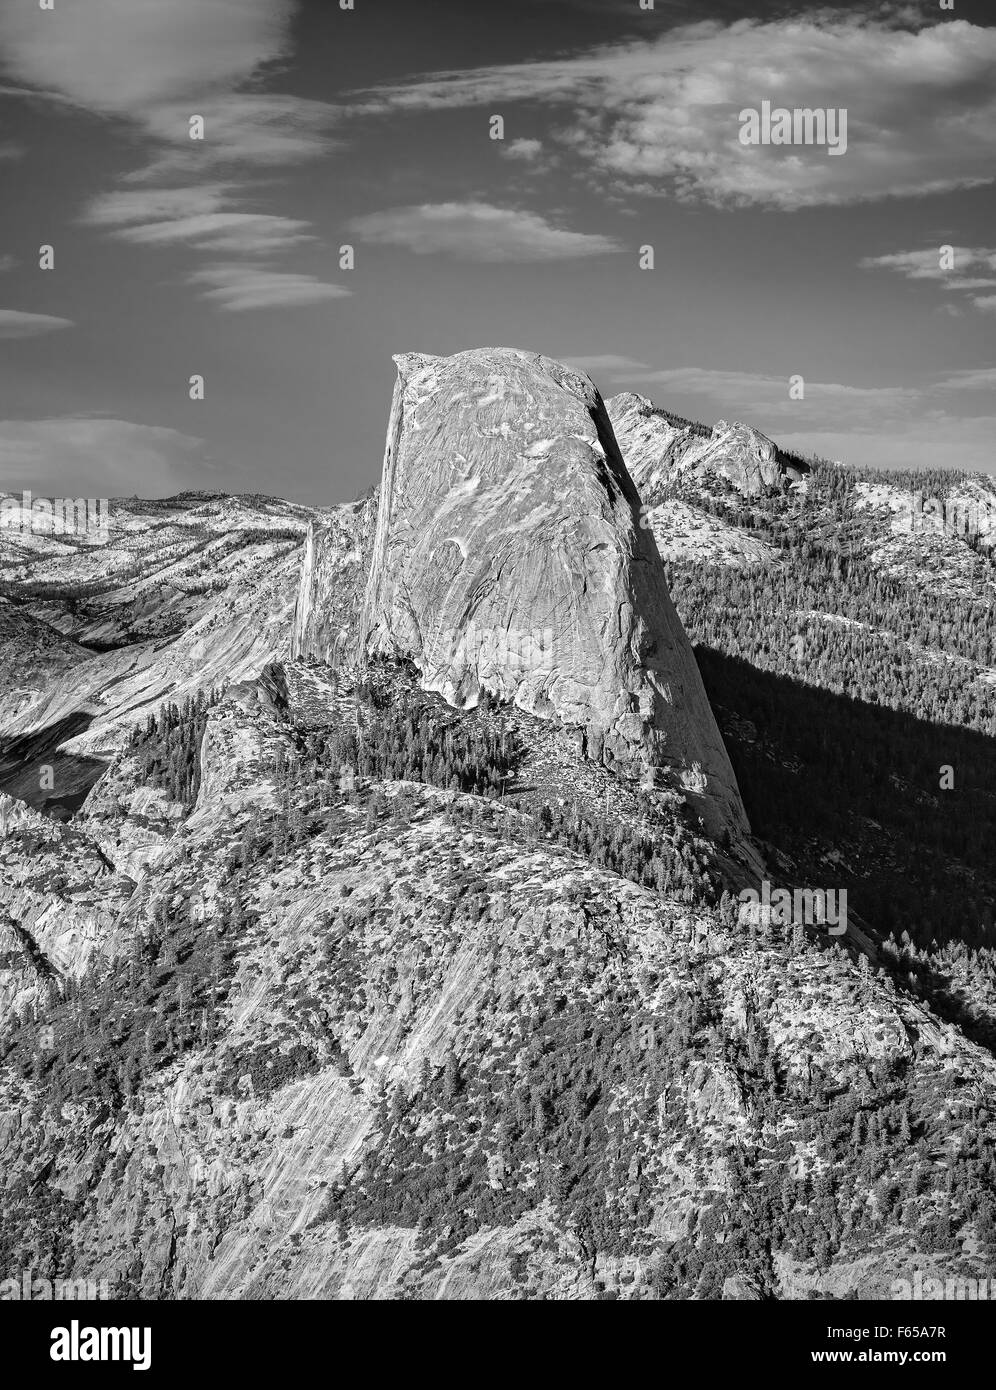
(372, 127)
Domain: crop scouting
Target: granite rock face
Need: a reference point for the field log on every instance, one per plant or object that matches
(659, 448)
(509, 557)
(332, 583)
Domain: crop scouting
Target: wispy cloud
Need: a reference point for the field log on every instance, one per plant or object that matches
(155, 205)
(664, 115)
(196, 216)
(238, 287)
(962, 268)
(16, 324)
(755, 397)
(477, 231)
(242, 130)
(251, 234)
(926, 264)
(607, 363)
(129, 56)
(97, 457)
(943, 441)
(158, 65)
(38, 95)
(978, 379)
(987, 304)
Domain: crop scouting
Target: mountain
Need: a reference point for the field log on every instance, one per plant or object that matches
(509, 558)
(660, 448)
(357, 969)
(682, 468)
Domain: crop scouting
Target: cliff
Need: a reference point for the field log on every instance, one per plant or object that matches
(509, 557)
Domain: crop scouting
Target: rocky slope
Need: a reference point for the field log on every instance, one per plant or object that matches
(184, 595)
(509, 557)
(32, 655)
(661, 449)
(155, 570)
(437, 1055)
(59, 899)
(944, 542)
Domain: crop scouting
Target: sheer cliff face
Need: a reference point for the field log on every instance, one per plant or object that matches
(332, 581)
(509, 557)
(659, 450)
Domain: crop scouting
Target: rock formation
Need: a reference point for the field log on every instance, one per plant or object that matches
(332, 583)
(509, 556)
(660, 448)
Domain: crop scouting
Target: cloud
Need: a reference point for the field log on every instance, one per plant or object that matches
(522, 149)
(926, 265)
(705, 381)
(155, 205)
(609, 363)
(15, 324)
(197, 216)
(476, 231)
(977, 379)
(125, 57)
(663, 114)
(251, 129)
(35, 94)
(97, 457)
(963, 275)
(987, 305)
(246, 233)
(158, 65)
(941, 442)
(763, 400)
(238, 287)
